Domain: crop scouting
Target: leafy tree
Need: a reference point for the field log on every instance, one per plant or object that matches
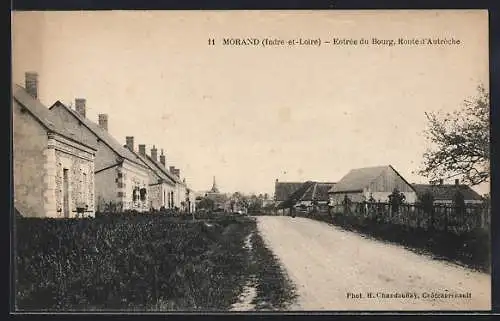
(395, 199)
(460, 142)
(206, 203)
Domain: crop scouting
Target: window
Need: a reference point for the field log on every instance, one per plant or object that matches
(142, 192)
(84, 188)
(135, 194)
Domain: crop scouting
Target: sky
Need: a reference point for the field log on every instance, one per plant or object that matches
(250, 115)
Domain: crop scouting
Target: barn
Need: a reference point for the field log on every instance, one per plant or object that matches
(376, 182)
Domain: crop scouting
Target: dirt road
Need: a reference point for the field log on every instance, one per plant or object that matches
(338, 270)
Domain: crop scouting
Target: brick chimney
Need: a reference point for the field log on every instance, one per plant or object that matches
(162, 159)
(31, 83)
(177, 172)
(172, 169)
(80, 106)
(142, 149)
(154, 153)
(103, 121)
(130, 142)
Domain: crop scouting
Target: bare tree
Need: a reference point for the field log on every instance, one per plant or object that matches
(460, 142)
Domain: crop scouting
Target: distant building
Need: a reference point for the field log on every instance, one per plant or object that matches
(445, 193)
(53, 165)
(377, 182)
(220, 199)
(316, 192)
(121, 178)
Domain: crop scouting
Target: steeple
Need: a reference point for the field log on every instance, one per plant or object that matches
(214, 187)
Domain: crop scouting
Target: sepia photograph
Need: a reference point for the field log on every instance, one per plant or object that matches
(250, 161)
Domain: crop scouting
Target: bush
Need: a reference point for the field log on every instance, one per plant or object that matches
(132, 261)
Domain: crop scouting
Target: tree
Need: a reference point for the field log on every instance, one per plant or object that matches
(396, 199)
(460, 142)
(206, 203)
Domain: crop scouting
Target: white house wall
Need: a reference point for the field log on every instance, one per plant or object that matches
(133, 175)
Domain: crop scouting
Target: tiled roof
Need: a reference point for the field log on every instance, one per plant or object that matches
(47, 118)
(446, 191)
(148, 161)
(359, 178)
(104, 136)
(282, 190)
(297, 195)
(315, 190)
(164, 170)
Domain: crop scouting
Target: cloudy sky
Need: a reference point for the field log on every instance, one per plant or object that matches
(250, 115)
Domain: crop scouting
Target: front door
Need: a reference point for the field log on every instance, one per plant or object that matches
(65, 193)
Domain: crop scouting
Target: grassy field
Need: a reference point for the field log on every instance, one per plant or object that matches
(146, 262)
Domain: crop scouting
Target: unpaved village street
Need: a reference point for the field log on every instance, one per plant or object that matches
(330, 267)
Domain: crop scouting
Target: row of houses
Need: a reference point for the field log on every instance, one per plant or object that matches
(65, 164)
(369, 183)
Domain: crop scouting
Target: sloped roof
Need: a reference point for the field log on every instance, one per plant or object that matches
(447, 191)
(296, 195)
(282, 190)
(359, 178)
(317, 191)
(164, 170)
(148, 161)
(47, 118)
(314, 191)
(103, 135)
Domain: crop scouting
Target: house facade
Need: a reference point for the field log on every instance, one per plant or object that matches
(445, 193)
(367, 183)
(162, 184)
(53, 167)
(121, 178)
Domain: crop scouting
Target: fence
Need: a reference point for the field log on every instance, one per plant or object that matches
(440, 217)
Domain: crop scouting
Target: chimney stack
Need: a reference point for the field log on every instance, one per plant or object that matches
(31, 83)
(130, 142)
(162, 159)
(80, 106)
(172, 169)
(103, 121)
(142, 149)
(154, 153)
(177, 172)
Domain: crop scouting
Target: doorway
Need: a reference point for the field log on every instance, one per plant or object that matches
(65, 193)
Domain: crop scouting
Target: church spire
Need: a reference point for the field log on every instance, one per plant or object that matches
(214, 187)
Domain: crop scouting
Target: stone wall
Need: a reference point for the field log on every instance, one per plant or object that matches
(29, 145)
(80, 166)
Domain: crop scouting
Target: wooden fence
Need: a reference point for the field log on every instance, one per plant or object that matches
(439, 217)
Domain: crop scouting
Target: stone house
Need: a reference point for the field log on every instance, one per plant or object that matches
(376, 182)
(53, 166)
(184, 198)
(121, 178)
(162, 184)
